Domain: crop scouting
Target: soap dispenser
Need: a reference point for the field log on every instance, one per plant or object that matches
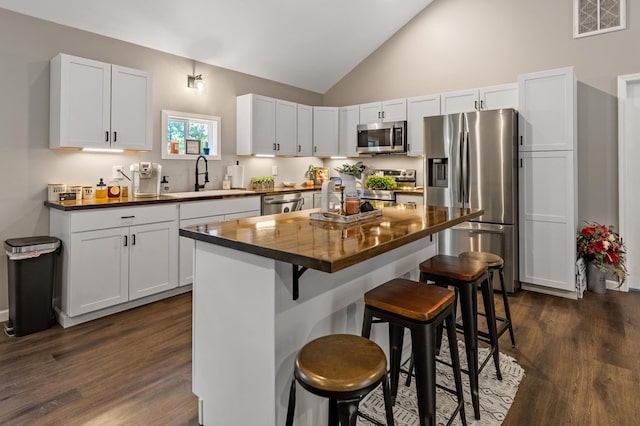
(101, 190)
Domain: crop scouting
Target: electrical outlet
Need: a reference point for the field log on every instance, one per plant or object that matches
(115, 173)
(274, 170)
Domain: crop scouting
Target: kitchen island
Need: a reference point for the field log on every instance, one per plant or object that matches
(247, 327)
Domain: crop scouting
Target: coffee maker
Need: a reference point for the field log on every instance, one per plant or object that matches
(146, 178)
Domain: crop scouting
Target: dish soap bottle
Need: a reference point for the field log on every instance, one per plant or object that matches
(101, 190)
(164, 185)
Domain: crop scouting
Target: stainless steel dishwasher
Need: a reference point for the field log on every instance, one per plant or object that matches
(281, 203)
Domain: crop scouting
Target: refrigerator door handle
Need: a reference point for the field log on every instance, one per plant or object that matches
(459, 167)
(465, 170)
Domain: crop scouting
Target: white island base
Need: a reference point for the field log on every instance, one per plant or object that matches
(247, 328)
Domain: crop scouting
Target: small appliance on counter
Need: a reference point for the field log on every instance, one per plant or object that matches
(405, 178)
(146, 178)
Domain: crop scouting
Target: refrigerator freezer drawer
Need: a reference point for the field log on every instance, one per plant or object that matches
(492, 238)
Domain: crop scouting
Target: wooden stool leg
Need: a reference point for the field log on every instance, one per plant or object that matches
(450, 322)
(388, 405)
(469, 305)
(396, 337)
(490, 312)
(348, 412)
(423, 342)
(292, 403)
(507, 311)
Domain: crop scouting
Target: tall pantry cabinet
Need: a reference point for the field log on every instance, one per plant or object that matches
(547, 181)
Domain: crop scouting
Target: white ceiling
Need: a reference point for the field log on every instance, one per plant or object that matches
(307, 44)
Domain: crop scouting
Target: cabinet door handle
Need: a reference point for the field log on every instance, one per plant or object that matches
(315, 149)
(274, 146)
(127, 217)
(278, 147)
(299, 148)
(520, 139)
(133, 239)
(115, 136)
(106, 136)
(521, 163)
(383, 115)
(126, 241)
(379, 115)
(475, 105)
(481, 104)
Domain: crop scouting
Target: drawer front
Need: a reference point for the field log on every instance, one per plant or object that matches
(195, 209)
(122, 216)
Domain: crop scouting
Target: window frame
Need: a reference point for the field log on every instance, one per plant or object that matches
(188, 117)
(576, 18)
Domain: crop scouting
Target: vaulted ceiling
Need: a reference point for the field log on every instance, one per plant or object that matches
(307, 44)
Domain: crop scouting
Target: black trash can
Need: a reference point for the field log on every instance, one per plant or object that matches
(33, 271)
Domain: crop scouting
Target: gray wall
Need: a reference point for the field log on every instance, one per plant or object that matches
(461, 44)
(27, 164)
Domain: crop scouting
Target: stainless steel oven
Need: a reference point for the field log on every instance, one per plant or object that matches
(281, 203)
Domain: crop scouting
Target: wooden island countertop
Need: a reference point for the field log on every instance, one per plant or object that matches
(325, 246)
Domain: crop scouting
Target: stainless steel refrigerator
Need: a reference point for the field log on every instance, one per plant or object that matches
(471, 161)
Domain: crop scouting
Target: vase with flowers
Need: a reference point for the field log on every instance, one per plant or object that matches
(602, 250)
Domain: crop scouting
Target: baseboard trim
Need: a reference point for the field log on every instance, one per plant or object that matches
(551, 291)
(4, 315)
(67, 321)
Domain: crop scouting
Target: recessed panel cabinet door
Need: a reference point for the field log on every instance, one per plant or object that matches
(547, 219)
(130, 109)
(98, 275)
(152, 254)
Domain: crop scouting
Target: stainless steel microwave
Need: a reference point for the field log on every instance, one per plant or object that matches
(382, 138)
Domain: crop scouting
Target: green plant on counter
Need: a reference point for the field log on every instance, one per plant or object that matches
(262, 182)
(352, 169)
(381, 182)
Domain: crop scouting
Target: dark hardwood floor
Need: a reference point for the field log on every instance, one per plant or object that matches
(581, 361)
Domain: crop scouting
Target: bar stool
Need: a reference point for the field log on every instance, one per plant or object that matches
(343, 368)
(495, 263)
(465, 275)
(420, 308)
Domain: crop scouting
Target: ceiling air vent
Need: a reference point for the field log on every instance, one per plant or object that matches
(592, 17)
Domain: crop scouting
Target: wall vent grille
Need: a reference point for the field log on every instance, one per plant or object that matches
(592, 17)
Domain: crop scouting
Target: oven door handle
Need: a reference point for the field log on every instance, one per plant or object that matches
(293, 200)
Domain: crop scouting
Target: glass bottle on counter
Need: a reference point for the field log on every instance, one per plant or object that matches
(113, 188)
(101, 190)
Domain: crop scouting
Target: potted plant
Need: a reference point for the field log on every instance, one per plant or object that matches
(602, 250)
(317, 174)
(381, 182)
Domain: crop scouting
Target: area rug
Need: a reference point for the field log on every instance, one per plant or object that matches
(496, 396)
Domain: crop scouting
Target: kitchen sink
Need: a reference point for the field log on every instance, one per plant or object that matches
(208, 193)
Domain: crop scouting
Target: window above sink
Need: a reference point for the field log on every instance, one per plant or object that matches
(186, 135)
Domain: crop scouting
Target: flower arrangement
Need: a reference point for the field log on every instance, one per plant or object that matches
(603, 247)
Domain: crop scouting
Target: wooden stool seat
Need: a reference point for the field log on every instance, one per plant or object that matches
(340, 363)
(344, 368)
(410, 299)
(492, 260)
(454, 268)
(420, 308)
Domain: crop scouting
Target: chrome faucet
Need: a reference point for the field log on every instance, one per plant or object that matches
(198, 187)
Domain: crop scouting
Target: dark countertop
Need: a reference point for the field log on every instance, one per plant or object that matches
(132, 201)
(329, 247)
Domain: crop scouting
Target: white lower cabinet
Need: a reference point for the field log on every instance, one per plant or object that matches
(115, 255)
(194, 213)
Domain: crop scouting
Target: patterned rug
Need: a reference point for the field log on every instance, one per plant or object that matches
(496, 396)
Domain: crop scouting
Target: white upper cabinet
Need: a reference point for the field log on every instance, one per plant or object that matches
(349, 119)
(326, 137)
(480, 99)
(98, 105)
(386, 111)
(417, 108)
(266, 126)
(305, 131)
(547, 110)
